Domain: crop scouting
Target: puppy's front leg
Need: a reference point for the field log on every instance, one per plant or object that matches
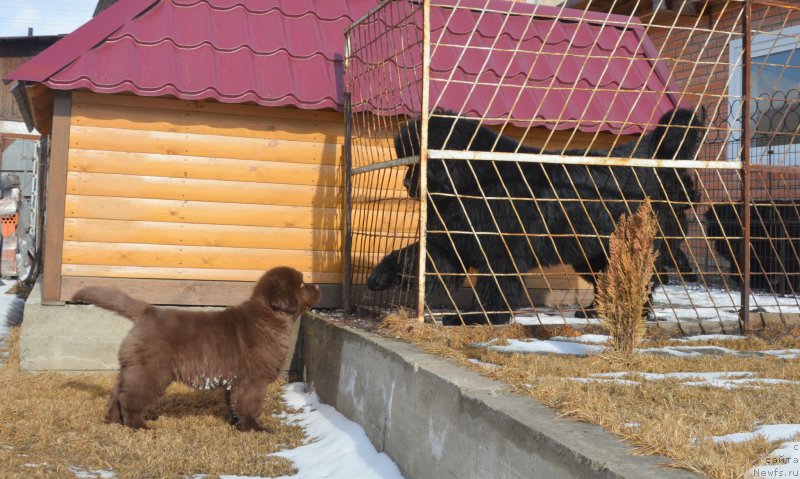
(232, 419)
(247, 403)
(393, 268)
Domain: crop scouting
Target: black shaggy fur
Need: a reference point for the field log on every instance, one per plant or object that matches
(774, 240)
(534, 186)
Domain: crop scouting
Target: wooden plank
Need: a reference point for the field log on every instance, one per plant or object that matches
(193, 167)
(191, 234)
(99, 207)
(57, 182)
(207, 123)
(155, 272)
(168, 188)
(155, 187)
(163, 103)
(381, 244)
(187, 292)
(174, 211)
(172, 256)
(205, 168)
(206, 257)
(215, 146)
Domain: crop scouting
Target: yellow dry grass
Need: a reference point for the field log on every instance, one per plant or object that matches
(50, 423)
(674, 420)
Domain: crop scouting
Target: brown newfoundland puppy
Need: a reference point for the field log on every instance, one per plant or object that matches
(241, 348)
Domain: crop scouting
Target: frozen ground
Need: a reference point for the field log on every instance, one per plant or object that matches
(675, 302)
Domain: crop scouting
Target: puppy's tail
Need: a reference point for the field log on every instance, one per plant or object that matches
(114, 300)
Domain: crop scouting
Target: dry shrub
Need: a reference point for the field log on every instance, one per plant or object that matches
(623, 289)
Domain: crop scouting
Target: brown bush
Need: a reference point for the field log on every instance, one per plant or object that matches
(623, 290)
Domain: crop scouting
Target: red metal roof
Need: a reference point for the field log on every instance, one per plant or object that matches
(539, 65)
(289, 52)
(271, 52)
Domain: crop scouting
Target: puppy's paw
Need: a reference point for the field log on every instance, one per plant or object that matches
(383, 276)
(254, 426)
(586, 313)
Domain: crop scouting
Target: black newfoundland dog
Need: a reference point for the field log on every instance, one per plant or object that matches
(774, 244)
(559, 214)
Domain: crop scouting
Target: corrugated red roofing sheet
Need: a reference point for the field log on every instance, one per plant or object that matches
(538, 65)
(289, 52)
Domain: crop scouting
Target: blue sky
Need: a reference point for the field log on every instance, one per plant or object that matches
(47, 17)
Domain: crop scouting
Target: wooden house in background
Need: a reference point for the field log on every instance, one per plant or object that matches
(194, 145)
(197, 143)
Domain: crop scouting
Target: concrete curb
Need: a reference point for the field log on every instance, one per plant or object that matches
(439, 420)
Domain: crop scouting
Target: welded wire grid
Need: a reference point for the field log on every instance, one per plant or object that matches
(509, 222)
(383, 55)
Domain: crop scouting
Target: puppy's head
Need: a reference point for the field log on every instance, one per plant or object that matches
(284, 291)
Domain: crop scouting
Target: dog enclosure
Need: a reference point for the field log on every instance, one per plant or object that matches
(492, 146)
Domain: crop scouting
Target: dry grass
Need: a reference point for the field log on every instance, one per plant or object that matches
(624, 287)
(435, 337)
(54, 422)
(674, 420)
(771, 338)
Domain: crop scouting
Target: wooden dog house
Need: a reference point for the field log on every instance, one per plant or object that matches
(193, 147)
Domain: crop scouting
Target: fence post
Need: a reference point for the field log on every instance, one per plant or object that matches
(423, 156)
(347, 261)
(744, 313)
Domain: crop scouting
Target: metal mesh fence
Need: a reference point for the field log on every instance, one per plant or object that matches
(494, 145)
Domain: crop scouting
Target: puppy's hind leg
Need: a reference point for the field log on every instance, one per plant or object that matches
(138, 389)
(114, 411)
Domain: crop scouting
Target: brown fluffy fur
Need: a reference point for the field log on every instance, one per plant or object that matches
(241, 348)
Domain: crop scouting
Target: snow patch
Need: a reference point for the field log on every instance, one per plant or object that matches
(543, 347)
(692, 302)
(483, 364)
(624, 382)
(338, 449)
(6, 303)
(83, 474)
(709, 337)
(585, 338)
(770, 432)
(726, 380)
